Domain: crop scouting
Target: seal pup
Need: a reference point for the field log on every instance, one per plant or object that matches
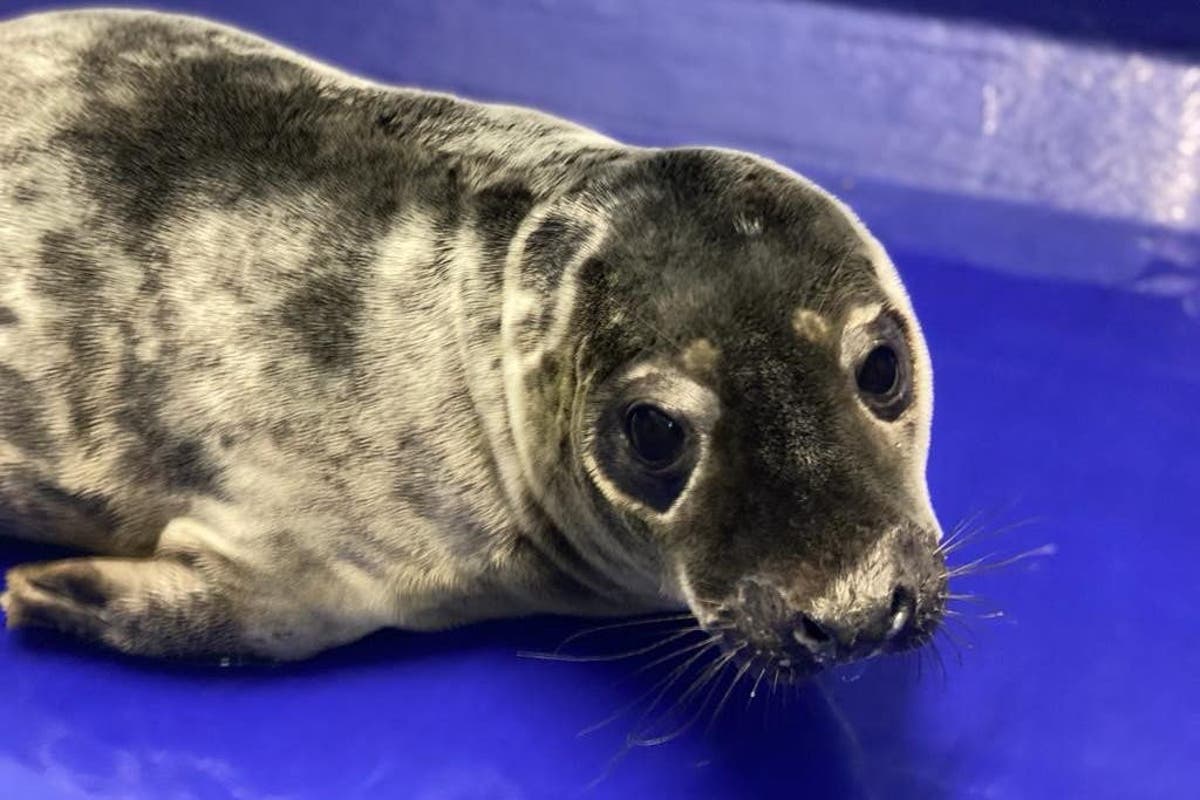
(298, 356)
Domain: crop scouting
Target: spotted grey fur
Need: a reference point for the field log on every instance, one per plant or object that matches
(304, 356)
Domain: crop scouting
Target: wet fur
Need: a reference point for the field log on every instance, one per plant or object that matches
(304, 356)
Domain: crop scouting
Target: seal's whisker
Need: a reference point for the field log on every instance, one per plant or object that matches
(709, 672)
(676, 653)
(707, 676)
(986, 564)
(913, 659)
(967, 522)
(976, 520)
(919, 657)
(613, 657)
(953, 643)
(961, 530)
(666, 684)
(754, 688)
(965, 629)
(961, 616)
(858, 755)
(609, 767)
(658, 619)
(967, 536)
(713, 682)
(957, 540)
(725, 697)
(941, 663)
(794, 691)
(661, 687)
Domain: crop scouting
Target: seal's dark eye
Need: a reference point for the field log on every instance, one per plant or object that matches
(879, 371)
(655, 437)
(884, 377)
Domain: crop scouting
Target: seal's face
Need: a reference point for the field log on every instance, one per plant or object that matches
(764, 427)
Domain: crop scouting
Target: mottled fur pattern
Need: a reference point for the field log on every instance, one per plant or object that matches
(301, 356)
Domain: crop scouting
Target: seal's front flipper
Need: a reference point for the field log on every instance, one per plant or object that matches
(190, 601)
(153, 606)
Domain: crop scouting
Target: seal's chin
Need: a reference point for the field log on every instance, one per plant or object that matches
(794, 659)
(782, 661)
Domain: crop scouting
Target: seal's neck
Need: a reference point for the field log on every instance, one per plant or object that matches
(515, 280)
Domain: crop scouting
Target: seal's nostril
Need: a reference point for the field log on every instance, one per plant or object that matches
(813, 631)
(904, 604)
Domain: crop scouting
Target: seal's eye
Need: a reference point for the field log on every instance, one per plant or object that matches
(656, 438)
(646, 451)
(883, 377)
(879, 371)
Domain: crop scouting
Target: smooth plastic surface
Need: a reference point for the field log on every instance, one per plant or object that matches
(1070, 406)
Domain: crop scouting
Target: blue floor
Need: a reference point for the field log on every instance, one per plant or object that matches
(1068, 408)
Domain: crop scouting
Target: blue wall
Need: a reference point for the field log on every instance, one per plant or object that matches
(1077, 158)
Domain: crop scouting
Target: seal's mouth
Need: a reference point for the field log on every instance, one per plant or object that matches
(761, 632)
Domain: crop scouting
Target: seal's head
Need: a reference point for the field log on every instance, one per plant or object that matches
(749, 410)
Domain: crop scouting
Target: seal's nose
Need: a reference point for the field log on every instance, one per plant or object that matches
(829, 639)
(816, 638)
(902, 611)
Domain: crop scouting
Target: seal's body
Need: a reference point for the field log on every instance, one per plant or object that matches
(302, 356)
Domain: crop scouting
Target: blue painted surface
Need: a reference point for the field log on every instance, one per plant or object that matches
(1068, 396)
(1167, 26)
